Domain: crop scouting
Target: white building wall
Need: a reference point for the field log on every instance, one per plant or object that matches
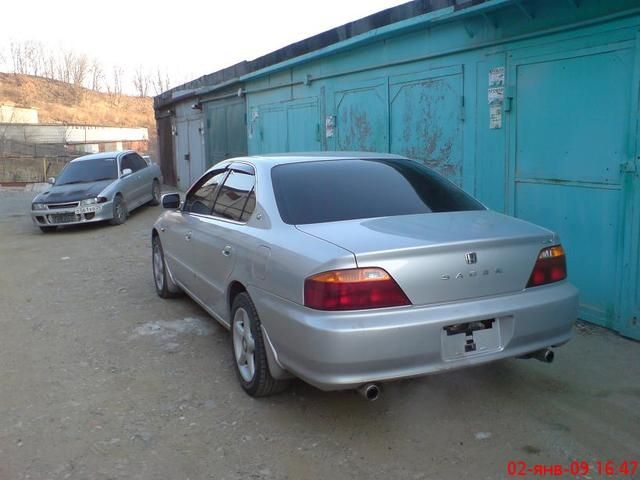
(70, 134)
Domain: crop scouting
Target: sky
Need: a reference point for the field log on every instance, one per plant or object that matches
(186, 38)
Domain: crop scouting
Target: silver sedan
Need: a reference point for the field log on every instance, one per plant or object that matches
(98, 187)
(347, 270)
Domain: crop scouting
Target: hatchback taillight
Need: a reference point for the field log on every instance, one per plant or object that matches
(551, 266)
(353, 289)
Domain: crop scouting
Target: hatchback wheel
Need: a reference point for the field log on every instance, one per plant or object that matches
(120, 212)
(249, 352)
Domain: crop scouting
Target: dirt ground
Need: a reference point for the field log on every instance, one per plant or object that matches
(101, 379)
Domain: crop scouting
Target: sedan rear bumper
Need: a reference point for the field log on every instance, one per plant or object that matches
(68, 216)
(341, 350)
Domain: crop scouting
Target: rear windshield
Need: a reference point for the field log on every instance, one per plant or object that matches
(334, 190)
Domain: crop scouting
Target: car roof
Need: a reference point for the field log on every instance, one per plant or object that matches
(102, 155)
(295, 157)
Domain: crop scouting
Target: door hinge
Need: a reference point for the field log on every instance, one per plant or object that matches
(628, 167)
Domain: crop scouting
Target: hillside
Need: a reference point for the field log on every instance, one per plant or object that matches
(59, 102)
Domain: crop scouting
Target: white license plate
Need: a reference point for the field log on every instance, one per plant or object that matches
(91, 209)
(473, 338)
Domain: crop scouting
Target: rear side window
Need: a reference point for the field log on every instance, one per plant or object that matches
(236, 200)
(202, 197)
(335, 190)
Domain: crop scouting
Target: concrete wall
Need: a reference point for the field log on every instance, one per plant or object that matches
(69, 134)
(13, 114)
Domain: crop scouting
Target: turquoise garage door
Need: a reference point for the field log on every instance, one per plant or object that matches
(571, 163)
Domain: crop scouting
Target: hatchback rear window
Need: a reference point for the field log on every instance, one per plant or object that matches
(335, 190)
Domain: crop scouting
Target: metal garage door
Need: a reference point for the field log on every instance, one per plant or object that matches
(362, 117)
(189, 152)
(571, 162)
(289, 127)
(226, 134)
(426, 119)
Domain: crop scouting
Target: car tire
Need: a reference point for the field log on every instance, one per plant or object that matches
(165, 287)
(155, 193)
(48, 229)
(249, 352)
(120, 212)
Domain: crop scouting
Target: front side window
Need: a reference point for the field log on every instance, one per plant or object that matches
(202, 196)
(127, 162)
(236, 200)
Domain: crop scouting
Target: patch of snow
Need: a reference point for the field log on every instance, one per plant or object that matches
(168, 329)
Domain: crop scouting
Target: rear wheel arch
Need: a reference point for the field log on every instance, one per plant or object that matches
(235, 288)
(250, 351)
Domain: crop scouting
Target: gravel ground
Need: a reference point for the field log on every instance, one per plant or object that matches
(101, 379)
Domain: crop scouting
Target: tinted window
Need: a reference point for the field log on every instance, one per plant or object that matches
(127, 162)
(138, 162)
(88, 171)
(236, 200)
(334, 190)
(201, 197)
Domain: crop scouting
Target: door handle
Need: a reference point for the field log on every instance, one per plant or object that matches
(226, 251)
(188, 236)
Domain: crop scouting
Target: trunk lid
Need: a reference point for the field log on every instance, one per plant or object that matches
(431, 256)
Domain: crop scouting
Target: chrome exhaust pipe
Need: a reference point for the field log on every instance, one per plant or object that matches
(370, 391)
(545, 355)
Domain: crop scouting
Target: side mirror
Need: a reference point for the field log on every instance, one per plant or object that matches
(126, 172)
(171, 200)
(51, 180)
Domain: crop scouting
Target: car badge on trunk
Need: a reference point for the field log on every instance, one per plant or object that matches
(471, 257)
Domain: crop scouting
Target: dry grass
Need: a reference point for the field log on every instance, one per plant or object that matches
(59, 102)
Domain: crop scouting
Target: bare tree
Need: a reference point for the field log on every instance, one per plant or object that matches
(96, 75)
(51, 65)
(27, 57)
(161, 81)
(79, 68)
(33, 57)
(65, 66)
(141, 82)
(17, 57)
(114, 86)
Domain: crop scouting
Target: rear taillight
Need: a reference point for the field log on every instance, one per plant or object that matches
(551, 266)
(353, 289)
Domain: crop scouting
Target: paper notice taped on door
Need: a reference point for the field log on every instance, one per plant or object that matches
(495, 115)
(495, 96)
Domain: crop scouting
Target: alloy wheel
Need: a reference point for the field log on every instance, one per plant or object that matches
(244, 345)
(158, 266)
